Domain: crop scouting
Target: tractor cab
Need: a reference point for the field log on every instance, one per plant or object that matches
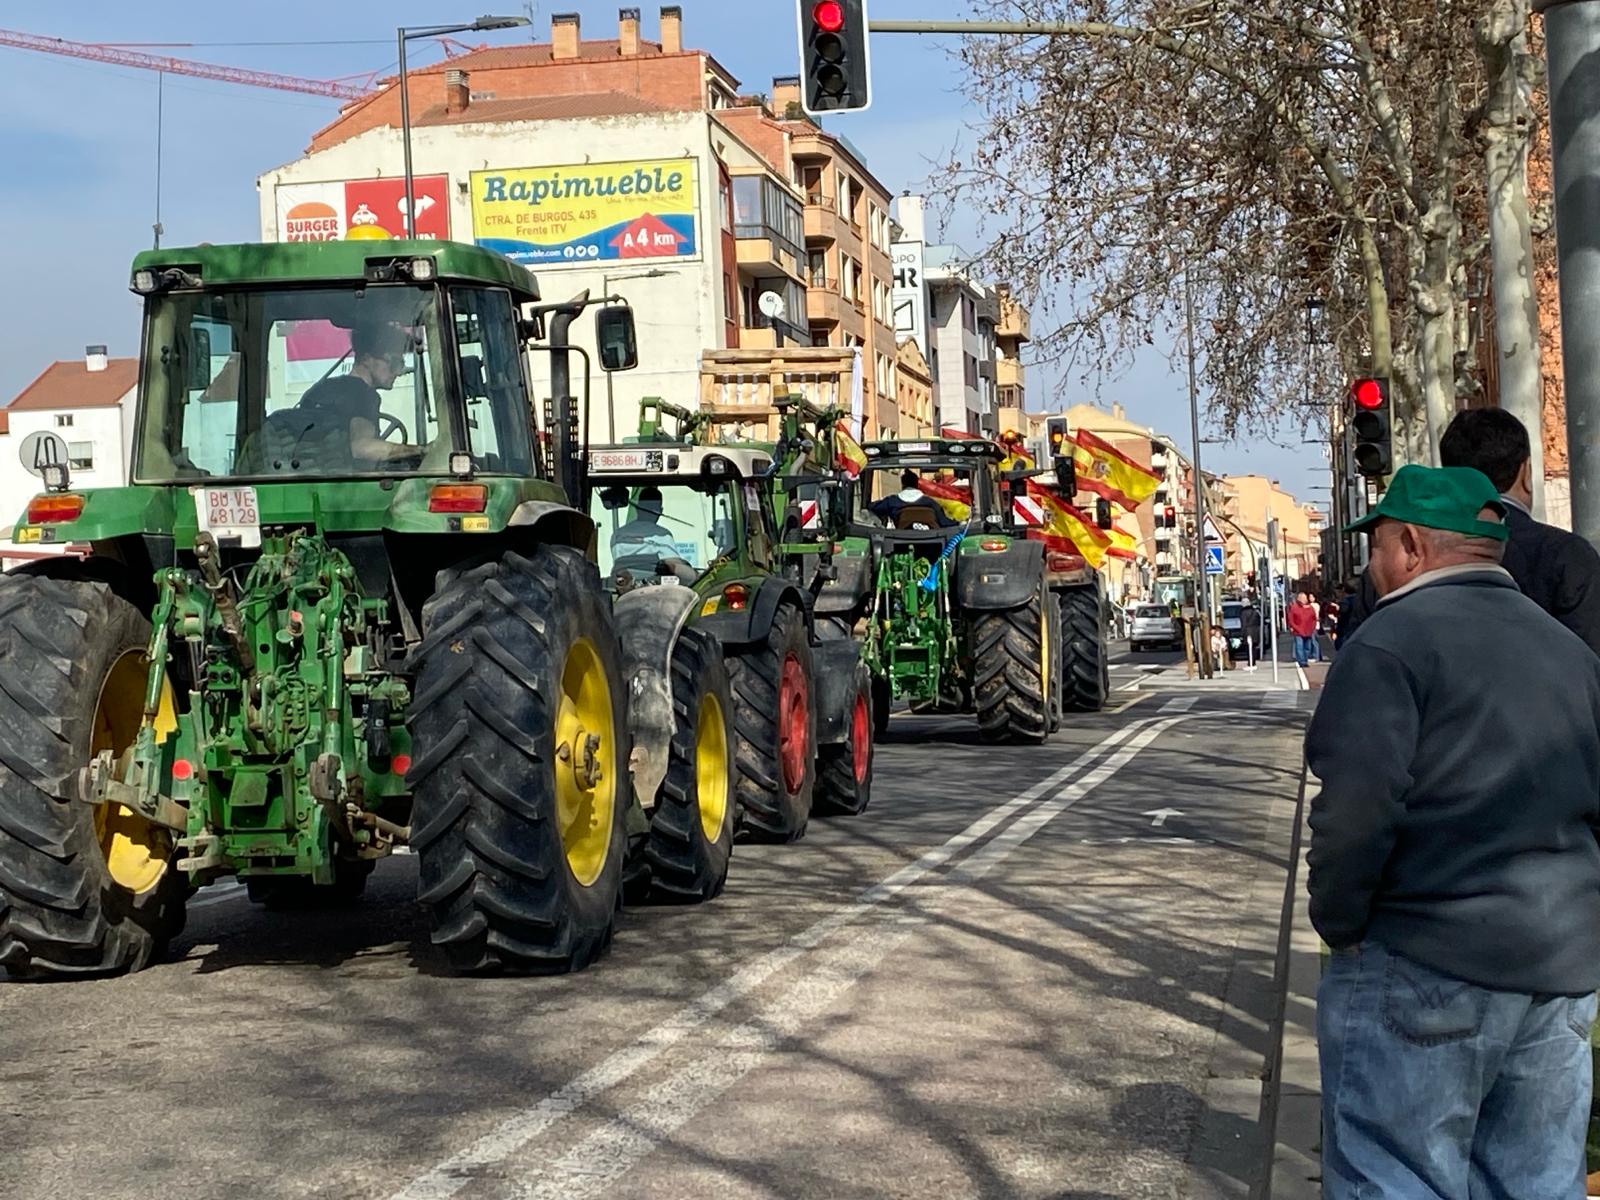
(927, 491)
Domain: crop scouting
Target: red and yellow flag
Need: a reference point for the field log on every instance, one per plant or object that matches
(956, 502)
(1065, 522)
(1107, 471)
(1123, 544)
(848, 456)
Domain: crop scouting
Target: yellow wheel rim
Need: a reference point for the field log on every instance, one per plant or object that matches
(137, 853)
(586, 762)
(1044, 651)
(711, 767)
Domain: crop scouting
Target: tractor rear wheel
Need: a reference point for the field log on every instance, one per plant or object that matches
(519, 764)
(844, 772)
(776, 730)
(83, 889)
(1085, 671)
(1012, 661)
(882, 701)
(691, 828)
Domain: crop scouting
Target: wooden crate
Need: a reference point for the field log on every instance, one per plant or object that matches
(737, 387)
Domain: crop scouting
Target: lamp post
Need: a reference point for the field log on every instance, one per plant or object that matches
(403, 35)
(1202, 599)
(605, 288)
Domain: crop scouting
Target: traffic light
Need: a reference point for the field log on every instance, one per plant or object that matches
(1056, 433)
(835, 72)
(1102, 513)
(1169, 517)
(1370, 422)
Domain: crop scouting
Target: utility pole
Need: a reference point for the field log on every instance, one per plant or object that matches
(1203, 601)
(1572, 45)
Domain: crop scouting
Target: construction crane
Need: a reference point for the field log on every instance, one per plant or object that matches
(352, 88)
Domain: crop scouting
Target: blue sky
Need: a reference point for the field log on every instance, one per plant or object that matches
(80, 138)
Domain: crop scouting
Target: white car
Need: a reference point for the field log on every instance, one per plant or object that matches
(1154, 625)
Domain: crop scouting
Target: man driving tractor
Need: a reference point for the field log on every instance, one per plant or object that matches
(348, 406)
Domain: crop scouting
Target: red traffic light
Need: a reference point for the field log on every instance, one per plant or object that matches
(1368, 393)
(828, 15)
(1171, 516)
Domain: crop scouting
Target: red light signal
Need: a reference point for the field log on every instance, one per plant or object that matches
(829, 15)
(1369, 393)
(1170, 516)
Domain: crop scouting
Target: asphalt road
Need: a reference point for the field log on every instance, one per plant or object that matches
(1037, 972)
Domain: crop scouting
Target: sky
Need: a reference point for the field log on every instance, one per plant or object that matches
(80, 197)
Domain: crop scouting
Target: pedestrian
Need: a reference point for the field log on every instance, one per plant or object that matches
(1454, 869)
(1557, 570)
(1360, 599)
(1302, 619)
(1330, 620)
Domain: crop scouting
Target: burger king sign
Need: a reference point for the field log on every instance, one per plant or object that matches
(362, 208)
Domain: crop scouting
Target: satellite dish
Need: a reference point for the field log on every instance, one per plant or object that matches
(771, 304)
(40, 450)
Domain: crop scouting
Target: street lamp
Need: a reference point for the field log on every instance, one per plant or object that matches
(402, 36)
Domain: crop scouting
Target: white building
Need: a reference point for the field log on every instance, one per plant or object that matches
(88, 406)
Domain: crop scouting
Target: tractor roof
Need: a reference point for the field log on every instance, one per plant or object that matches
(922, 449)
(335, 262)
(671, 460)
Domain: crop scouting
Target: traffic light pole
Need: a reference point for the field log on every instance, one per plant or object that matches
(1202, 590)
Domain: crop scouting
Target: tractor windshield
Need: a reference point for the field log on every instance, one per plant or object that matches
(921, 498)
(679, 527)
(328, 383)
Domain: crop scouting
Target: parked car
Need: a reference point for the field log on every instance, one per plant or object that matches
(1154, 625)
(1239, 621)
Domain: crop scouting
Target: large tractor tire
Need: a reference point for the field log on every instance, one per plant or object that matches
(1058, 698)
(844, 772)
(691, 827)
(1012, 661)
(882, 703)
(1085, 666)
(519, 764)
(775, 724)
(84, 890)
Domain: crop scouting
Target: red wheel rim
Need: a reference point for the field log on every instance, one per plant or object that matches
(794, 724)
(861, 738)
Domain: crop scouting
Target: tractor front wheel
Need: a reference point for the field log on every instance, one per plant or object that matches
(519, 768)
(1085, 671)
(776, 730)
(1012, 661)
(84, 890)
(691, 828)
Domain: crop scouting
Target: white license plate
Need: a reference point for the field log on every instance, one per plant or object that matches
(229, 513)
(625, 460)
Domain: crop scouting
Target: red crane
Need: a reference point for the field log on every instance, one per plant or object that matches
(338, 89)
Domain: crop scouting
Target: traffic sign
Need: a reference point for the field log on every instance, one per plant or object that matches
(41, 450)
(1212, 536)
(1214, 560)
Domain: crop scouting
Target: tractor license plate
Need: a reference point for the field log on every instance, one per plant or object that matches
(229, 513)
(625, 460)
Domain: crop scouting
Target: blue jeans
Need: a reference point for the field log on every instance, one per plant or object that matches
(1306, 649)
(1437, 1089)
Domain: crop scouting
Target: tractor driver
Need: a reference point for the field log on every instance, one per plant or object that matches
(349, 405)
(909, 495)
(644, 537)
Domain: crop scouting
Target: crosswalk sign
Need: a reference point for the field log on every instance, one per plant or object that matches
(1214, 560)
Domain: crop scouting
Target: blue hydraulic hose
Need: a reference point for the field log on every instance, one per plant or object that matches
(931, 583)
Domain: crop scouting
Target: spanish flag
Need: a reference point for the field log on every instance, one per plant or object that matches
(847, 453)
(1069, 524)
(1107, 471)
(955, 501)
(1123, 544)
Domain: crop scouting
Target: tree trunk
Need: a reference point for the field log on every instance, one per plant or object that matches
(1502, 43)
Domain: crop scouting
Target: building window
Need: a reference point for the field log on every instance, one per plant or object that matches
(811, 184)
(763, 209)
(969, 314)
(842, 195)
(820, 335)
(725, 190)
(817, 268)
(971, 365)
(63, 420)
(80, 455)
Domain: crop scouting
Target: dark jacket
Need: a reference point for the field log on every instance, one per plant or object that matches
(1558, 571)
(1357, 608)
(1458, 744)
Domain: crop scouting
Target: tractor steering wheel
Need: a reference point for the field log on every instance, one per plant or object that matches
(388, 424)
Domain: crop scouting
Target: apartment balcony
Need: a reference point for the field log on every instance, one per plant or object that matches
(823, 223)
(761, 253)
(1008, 372)
(764, 338)
(824, 303)
(1014, 322)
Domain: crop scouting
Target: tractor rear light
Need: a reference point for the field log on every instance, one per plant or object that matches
(838, 547)
(458, 498)
(422, 270)
(53, 510)
(400, 764)
(1060, 560)
(182, 769)
(737, 596)
(993, 544)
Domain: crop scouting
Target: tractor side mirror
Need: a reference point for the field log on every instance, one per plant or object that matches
(200, 360)
(1066, 477)
(617, 338)
(614, 497)
(472, 377)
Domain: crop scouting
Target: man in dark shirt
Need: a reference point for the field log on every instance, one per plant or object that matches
(909, 496)
(348, 406)
(1454, 869)
(1557, 570)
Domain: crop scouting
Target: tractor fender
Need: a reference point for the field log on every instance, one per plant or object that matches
(994, 579)
(96, 568)
(648, 621)
(833, 688)
(555, 523)
(841, 596)
(739, 630)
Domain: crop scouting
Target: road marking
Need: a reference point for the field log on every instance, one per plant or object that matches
(450, 1176)
(1161, 815)
(1136, 698)
(610, 1152)
(1280, 700)
(1180, 704)
(219, 893)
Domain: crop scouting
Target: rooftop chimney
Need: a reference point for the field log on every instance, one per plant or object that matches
(672, 30)
(628, 32)
(786, 94)
(564, 36)
(1118, 411)
(456, 93)
(908, 210)
(94, 358)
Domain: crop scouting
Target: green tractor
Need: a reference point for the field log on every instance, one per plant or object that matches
(960, 611)
(344, 606)
(691, 541)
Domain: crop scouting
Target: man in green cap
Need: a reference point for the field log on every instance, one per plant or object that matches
(1454, 868)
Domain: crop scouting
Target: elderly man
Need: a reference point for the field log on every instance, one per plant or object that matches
(1454, 868)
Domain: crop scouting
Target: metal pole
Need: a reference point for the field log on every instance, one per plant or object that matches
(1026, 28)
(1572, 45)
(611, 388)
(1272, 595)
(1204, 604)
(405, 136)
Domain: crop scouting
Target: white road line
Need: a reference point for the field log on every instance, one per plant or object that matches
(1179, 705)
(611, 1151)
(460, 1169)
(219, 893)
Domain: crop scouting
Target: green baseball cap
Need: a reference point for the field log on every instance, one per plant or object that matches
(1439, 498)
